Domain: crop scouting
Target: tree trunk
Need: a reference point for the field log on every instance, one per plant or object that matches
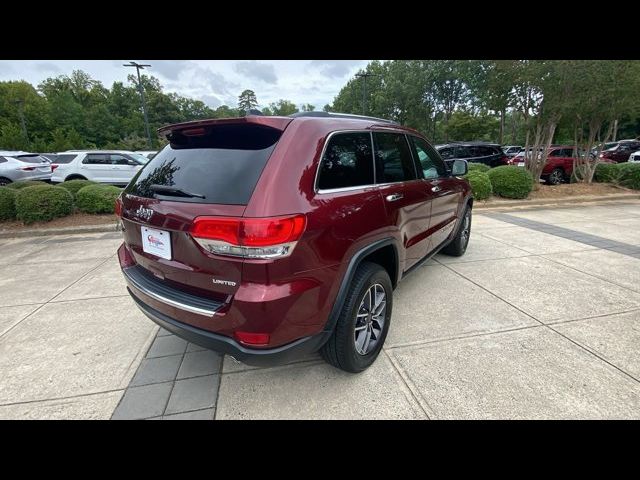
(501, 138)
(615, 129)
(513, 128)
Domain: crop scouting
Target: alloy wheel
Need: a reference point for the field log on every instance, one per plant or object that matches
(370, 319)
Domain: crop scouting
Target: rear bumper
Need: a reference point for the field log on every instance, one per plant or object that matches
(228, 346)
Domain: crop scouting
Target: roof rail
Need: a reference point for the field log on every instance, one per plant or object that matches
(341, 115)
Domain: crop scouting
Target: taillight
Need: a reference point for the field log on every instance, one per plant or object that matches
(271, 237)
(54, 166)
(118, 207)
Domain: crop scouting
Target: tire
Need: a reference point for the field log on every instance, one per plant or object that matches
(4, 181)
(75, 177)
(458, 245)
(347, 349)
(556, 177)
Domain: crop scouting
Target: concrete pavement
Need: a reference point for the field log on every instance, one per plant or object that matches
(540, 319)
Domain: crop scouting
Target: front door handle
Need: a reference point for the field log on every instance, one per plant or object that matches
(435, 188)
(394, 196)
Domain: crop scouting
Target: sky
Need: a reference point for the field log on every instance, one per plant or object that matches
(215, 82)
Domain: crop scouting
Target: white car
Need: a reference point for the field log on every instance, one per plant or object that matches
(116, 167)
(147, 153)
(635, 157)
(18, 166)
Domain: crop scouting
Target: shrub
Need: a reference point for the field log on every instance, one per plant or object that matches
(480, 184)
(7, 203)
(478, 167)
(629, 175)
(42, 203)
(97, 198)
(511, 182)
(27, 183)
(74, 185)
(606, 173)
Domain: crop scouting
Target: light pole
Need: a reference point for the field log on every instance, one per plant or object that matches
(144, 105)
(364, 89)
(20, 104)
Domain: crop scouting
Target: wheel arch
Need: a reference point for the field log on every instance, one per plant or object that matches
(383, 252)
(75, 176)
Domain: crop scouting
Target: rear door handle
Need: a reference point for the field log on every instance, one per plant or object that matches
(394, 196)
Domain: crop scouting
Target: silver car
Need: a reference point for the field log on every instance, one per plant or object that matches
(16, 166)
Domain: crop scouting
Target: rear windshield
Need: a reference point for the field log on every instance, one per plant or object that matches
(30, 158)
(62, 158)
(223, 166)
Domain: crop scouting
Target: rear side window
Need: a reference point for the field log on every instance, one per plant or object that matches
(347, 161)
(3, 160)
(221, 164)
(394, 162)
(63, 158)
(463, 152)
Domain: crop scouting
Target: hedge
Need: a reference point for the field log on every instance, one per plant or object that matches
(511, 181)
(629, 175)
(75, 185)
(625, 174)
(480, 184)
(478, 167)
(606, 172)
(42, 203)
(27, 183)
(7, 203)
(97, 198)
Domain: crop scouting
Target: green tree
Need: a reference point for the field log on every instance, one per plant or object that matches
(282, 108)
(247, 101)
(307, 107)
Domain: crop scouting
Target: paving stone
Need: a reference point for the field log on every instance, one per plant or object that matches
(157, 370)
(165, 346)
(197, 364)
(143, 402)
(193, 394)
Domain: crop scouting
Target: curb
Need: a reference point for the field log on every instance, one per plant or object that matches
(60, 231)
(558, 202)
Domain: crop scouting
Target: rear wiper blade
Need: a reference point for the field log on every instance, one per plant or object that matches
(166, 190)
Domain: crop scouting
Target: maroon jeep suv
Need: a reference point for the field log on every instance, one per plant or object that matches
(266, 238)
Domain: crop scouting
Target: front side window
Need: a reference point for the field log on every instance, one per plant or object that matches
(117, 159)
(446, 153)
(347, 161)
(97, 159)
(432, 166)
(394, 162)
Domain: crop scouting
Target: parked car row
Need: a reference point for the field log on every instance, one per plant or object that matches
(116, 167)
(560, 158)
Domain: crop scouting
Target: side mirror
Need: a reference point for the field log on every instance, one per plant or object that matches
(459, 168)
(133, 163)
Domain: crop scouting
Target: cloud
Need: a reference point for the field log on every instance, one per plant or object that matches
(259, 71)
(211, 100)
(6, 68)
(171, 69)
(47, 67)
(335, 68)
